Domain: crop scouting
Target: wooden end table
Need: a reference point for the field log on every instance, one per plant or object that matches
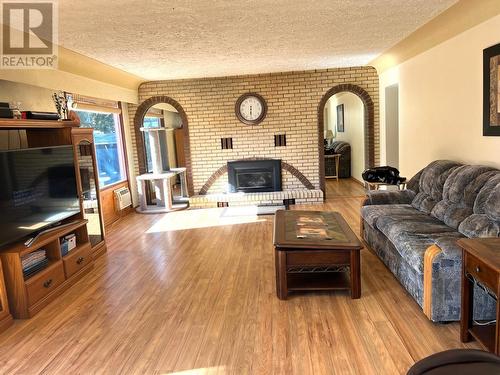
(336, 160)
(480, 262)
(315, 250)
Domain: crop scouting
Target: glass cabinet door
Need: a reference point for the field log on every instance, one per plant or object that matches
(89, 193)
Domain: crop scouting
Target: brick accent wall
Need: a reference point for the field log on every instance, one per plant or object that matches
(285, 168)
(293, 99)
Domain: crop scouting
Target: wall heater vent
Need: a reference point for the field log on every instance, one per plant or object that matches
(123, 198)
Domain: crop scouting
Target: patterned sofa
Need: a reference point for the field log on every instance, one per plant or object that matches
(414, 232)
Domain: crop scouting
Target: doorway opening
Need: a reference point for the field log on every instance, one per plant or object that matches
(344, 133)
(368, 120)
(164, 115)
(164, 112)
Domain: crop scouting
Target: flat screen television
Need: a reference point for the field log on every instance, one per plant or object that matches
(37, 189)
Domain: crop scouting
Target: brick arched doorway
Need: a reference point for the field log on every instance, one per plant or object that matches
(369, 126)
(139, 140)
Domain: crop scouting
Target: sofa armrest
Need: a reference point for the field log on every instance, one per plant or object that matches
(389, 197)
(442, 284)
(449, 249)
(442, 267)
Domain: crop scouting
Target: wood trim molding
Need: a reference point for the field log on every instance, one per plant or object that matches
(84, 66)
(139, 139)
(431, 253)
(369, 126)
(124, 144)
(458, 18)
(284, 165)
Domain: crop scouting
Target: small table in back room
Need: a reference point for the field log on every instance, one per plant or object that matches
(315, 250)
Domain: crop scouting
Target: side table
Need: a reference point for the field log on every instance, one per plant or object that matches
(329, 168)
(480, 263)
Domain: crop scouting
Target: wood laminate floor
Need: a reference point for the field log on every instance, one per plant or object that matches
(193, 292)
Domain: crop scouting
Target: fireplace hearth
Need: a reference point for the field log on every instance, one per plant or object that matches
(252, 176)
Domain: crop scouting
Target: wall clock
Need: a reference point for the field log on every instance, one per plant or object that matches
(251, 109)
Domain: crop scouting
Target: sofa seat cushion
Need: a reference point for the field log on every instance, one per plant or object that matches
(412, 235)
(412, 246)
(373, 212)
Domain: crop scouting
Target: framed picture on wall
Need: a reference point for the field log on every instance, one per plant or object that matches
(340, 118)
(491, 91)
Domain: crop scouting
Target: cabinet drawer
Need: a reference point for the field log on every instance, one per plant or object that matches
(481, 272)
(317, 257)
(76, 260)
(44, 283)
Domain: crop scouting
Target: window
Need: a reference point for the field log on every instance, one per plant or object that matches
(108, 145)
(154, 122)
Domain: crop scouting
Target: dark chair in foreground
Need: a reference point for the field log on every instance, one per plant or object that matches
(458, 362)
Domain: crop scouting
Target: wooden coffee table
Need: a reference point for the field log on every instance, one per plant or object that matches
(315, 250)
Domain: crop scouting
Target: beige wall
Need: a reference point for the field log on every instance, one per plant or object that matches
(292, 99)
(440, 102)
(60, 80)
(80, 74)
(353, 128)
(391, 115)
(32, 98)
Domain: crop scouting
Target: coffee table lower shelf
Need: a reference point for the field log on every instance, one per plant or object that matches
(318, 281)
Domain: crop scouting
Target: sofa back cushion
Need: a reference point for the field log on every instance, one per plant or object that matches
(459, 193)
(431, 183)
(341, 147)
(485, 220)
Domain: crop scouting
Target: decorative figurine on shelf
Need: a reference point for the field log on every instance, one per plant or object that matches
(61, 102)
(16, 110)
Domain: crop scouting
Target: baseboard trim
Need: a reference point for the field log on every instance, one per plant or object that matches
(357, 181)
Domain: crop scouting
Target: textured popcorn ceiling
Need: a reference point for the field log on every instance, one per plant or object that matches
(157, 39)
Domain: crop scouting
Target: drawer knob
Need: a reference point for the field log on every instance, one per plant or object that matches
(80, 260)
(478, 269)
(47, 284)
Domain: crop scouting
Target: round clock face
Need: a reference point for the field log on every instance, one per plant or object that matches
(251, 109)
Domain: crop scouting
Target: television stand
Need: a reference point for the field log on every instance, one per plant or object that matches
(57, 226)
(27, 295)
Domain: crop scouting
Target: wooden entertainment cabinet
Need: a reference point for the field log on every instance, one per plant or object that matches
(26, 297)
